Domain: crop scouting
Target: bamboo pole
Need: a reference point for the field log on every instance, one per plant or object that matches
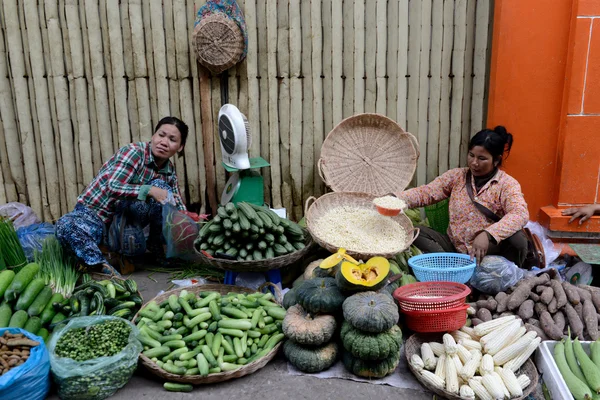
(14, 156)
(435, 88)
(414, 63)
(446, 71)
(140, 69)
(423, 90)
(215, 97)
(242, 76)
(370, 54)
(7, 185)
(326, 75)
(468, 83)
(109, 77)
(402, 62)
(253, 86)
(151, 76)
(359, 56)
(160, 58)
(63, 114)
(283, 61)
(207, 136)
(482, 21)
(308, 160)
(458, 63)
(381, 67)
(337, 59)
(348, 63)
(296, 107)
(317, 72)
(171, 57)
(3, 188)
(15, 55)
(393, 44)
(132, 96)
(263, 73)
(43, 107)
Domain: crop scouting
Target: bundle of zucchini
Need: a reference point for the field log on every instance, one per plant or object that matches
(247, 232)
(209, 333)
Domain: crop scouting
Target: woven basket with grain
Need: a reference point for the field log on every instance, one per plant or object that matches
(368, 153)
(211, 378)
(218, 42)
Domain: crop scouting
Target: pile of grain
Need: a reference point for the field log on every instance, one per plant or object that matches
(390, 202)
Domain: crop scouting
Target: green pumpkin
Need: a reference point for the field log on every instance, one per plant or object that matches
(289, 299)
(371, 346)
(306, 329)
(320, 296)
(389, 289)
(310, 359)
(369, 276)
(370, 369)
(371, 312)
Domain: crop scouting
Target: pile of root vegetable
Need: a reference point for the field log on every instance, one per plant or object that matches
(546, 305)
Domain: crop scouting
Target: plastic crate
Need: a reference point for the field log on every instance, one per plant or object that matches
(450, 267)
(438, 216)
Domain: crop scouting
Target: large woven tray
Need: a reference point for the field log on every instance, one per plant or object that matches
(211, 378)
(413, 346)
(315, 208)
(258, 266)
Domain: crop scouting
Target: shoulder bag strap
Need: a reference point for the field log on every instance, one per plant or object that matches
(483, 209)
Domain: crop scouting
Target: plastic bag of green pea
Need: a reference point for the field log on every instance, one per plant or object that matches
(92, 357)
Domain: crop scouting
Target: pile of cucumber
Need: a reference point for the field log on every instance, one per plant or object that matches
(247, 232)
(208, 333)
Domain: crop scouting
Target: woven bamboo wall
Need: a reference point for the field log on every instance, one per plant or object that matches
(80, 78)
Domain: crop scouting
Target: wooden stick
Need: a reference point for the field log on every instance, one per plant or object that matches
(308, 160)
(252, 76)
(327, 82)
(207, 137)
(370, 54)
(296, 107)
(402, 62)
(393, 44)
(381, 67)
(435, 88)
(337, 60)
(215, 96)
(283, 61)
(317, 68)
(482, 21)
(348, 63)
(109, 76)
(458, 63)
(263, 72)
(414, 63)
(468, 84)
(424, 89)
(153, 98)
(140, 70)
(359, 56)
(8, 190)
(446, 71)
(160, 58)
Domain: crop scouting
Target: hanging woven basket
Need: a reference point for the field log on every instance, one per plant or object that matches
(218, 42)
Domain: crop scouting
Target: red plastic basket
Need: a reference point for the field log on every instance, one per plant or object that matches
(431, 296)
(436, 320)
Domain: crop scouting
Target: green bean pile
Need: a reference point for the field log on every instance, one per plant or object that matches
(101, 340)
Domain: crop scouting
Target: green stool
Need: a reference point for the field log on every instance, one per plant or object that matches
(438, 216)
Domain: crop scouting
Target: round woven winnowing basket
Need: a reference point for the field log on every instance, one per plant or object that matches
(368, 153)
(413, 346)
(218, 42)
(210, 378)
(316, 208)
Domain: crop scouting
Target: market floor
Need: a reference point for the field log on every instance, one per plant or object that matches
(271, 382)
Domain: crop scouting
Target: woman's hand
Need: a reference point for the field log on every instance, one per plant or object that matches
(158, 194)
(584, 212)
(480, 246)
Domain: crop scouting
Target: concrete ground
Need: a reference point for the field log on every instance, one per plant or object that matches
(271, 382)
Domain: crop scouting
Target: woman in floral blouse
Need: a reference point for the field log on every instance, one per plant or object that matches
(470, 230)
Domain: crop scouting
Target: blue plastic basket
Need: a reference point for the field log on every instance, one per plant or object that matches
(451, 267)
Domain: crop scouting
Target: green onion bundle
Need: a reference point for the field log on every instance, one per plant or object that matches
(56, 268)
(11, 252)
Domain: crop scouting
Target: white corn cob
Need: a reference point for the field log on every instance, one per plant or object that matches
(478, 378)
(504, 388)
(451, 375)
(432, 379)
(519, 360)
(471, 345)
(466, 392)
(480, 390)
(437, 348)
(440, 368)
(524, 381)
(501, 341)
(519, 335)
(512, 351)
(489, 326)
(458, 335)
(463, 353)
(487, 365)
(500, 332)
(416, 362)
(493, 386)
(470, 331)
(471, 310)
(428, 357)
(510, 381)
(468, 370)
(450, 346)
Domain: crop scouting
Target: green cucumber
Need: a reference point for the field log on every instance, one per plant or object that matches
(18, 319)
(178, 387)
(43, 333)
(40, 302)
(6, 278)
(5, 315)
(173, 369)
(21, 281)
(28, 296)
(276, 312)
(235, 324)
(203, 366)
(33, 325)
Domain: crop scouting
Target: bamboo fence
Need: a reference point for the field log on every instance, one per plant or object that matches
(80, 78)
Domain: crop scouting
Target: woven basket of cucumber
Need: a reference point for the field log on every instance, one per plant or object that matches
(246, 237)
(209, 333)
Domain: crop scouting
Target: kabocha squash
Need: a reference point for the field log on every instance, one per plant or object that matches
(371, 275)
(309, 271)
(289, 299)
(371, 346)
(307, 329)
(310, 359)
(320, 296)
(370, 369)
(371, 311)
(334, 259)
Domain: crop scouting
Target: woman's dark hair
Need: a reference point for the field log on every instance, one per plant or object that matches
(497, 142)
(179, 124)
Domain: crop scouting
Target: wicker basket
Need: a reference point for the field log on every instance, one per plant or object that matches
(413, 346)
(257, 266)
(368, 153)
(211, 378)
(218, 42)
(315, 208)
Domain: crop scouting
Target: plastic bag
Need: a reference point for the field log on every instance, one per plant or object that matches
(20, 214)
(32, 237)
(551, 253)
(125, 238)
(31, 380)
(179, 231)
(97, 378)
(495, 274)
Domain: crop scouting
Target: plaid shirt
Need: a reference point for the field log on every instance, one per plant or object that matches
(502, 194)
(125, 177)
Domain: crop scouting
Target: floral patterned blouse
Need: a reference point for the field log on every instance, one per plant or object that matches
(501, 194)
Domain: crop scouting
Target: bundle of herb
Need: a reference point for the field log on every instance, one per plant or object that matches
(59, 270)
(12, 254)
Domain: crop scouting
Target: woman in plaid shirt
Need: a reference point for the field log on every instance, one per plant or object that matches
(470, 231)
(127, 194)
